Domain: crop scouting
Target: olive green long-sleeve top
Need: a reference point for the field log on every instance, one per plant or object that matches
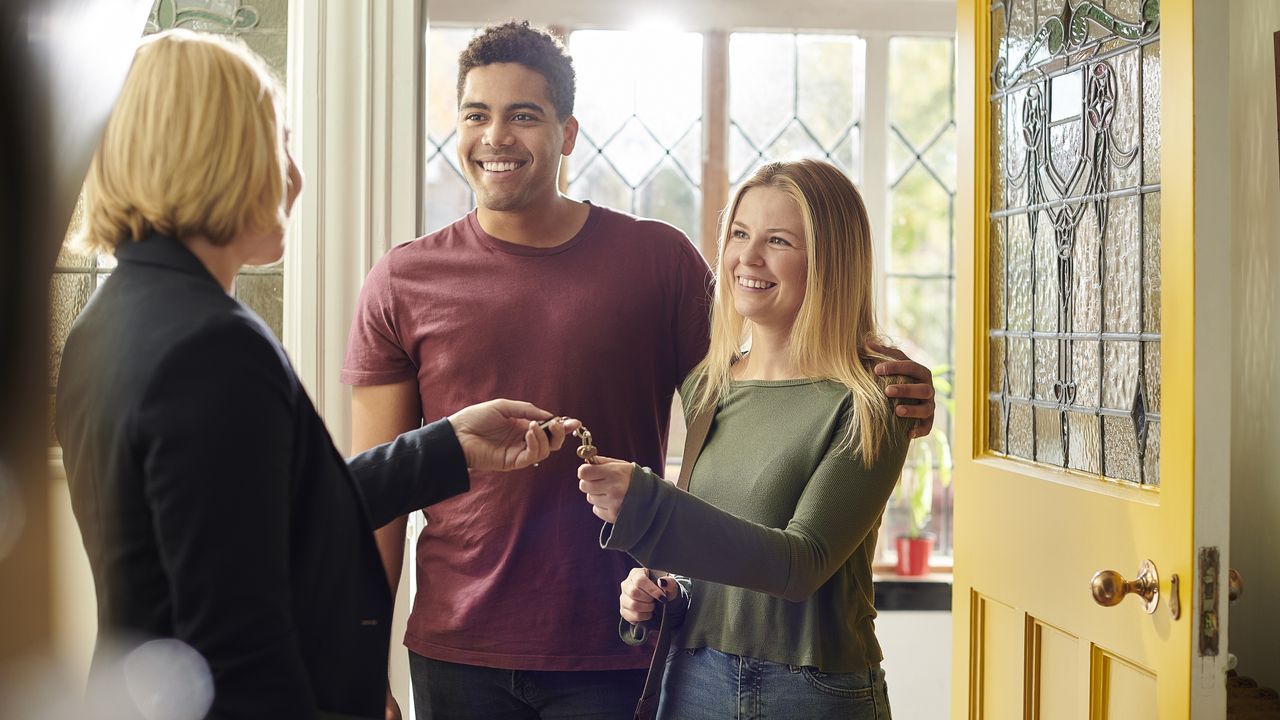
(777, 529)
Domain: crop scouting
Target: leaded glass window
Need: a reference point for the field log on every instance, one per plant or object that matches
(1074, 261)
(639, 108)
(919, 276)
(448, 197)
(795, 96)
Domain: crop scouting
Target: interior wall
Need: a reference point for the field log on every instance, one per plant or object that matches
(1255, 228)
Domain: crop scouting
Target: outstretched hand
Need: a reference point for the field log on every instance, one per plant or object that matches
(605, 483)
(915, 400)
(504, 434)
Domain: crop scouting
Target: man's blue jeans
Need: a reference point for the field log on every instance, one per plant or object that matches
(706, 684)
(449, 691)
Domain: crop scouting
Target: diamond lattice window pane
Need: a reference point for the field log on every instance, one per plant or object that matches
(762, 90)
(927, 64)
(794, 96)
(688, 153)
(920, 230)
(639, 108)
(633, 151)
(919, 319)
(669, 196)
(442, 79)
(828, 102)
(448, 195)
(602, 185)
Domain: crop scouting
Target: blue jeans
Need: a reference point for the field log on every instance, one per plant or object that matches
(449, 691)
(706, 684)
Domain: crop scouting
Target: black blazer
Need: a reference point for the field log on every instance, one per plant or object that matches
(213, 504)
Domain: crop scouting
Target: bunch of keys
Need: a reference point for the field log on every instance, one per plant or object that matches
(587, 451)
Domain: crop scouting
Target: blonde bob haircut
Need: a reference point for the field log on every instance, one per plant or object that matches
(194, 147)
(836, 321)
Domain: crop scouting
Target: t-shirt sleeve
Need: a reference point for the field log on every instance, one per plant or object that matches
(693, 308)
(376, 353)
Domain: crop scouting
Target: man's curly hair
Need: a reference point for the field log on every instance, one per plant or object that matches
(534, 48)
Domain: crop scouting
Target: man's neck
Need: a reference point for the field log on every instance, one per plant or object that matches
(542, 225)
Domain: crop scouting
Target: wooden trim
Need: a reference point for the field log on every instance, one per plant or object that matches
(972, 30)
(354, 69)
(715, 137)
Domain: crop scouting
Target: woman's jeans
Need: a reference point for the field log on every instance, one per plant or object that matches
(705, 683)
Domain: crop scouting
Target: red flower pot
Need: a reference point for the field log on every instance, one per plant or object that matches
(913, 554)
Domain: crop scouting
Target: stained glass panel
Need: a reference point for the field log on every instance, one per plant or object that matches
(1076, 275)
(1121, 290)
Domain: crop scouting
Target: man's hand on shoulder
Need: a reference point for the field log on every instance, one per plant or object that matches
(914, 400)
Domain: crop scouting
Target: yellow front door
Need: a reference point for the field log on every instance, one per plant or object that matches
(1077, 312)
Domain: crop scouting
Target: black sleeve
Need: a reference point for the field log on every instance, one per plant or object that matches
(417, 469)
(215, 434)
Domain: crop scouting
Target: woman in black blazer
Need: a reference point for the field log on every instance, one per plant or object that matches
(214, 507)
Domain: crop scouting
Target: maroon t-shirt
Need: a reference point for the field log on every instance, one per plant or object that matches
(602, 328)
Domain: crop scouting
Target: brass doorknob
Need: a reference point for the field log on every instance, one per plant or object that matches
(1109, 587)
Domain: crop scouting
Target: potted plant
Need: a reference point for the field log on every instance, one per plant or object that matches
(928, 460)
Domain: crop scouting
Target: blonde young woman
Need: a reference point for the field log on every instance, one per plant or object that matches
(214, 507)
(775, 535)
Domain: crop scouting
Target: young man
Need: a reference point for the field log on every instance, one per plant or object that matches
(515, 614)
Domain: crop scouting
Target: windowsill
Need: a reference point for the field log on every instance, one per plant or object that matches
(931, 592)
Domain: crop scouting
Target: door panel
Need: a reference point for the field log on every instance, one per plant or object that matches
(1053, 665)
(998, 636)
(1077, 326)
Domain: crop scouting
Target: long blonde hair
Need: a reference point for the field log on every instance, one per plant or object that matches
(194, 146)
(830, 335)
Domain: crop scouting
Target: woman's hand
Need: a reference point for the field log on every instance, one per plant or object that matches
(504, 434)
(605, 484)
(640, 595)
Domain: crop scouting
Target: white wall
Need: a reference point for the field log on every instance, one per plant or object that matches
(917, 662)
(1255, 445)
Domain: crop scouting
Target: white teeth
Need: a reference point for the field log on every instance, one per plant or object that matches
(757, 284)
(499, 166)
